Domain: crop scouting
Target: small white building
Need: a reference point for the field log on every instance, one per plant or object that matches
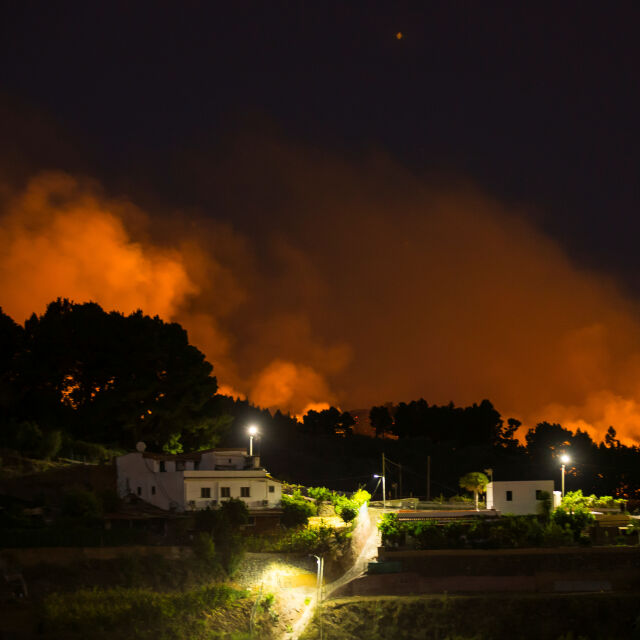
(198, 480)
(520, 497)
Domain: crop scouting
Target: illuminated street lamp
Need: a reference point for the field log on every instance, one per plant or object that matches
(384, 491)
(253, 431)
(564, 458)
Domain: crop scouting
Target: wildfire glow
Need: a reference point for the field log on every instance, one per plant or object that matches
(386, 289)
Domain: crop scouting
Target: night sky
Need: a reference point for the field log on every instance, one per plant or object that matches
(326, 202)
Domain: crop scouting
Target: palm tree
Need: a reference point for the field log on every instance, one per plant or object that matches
(474, 481)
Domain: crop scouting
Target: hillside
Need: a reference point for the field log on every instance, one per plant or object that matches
(497, 617)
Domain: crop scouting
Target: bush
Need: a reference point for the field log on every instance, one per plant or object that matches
(296, 510)
(391, 531)
(576, 520)
(81, 503)
(321, 494)
(204, 549)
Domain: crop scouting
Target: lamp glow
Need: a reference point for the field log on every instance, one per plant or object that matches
(253, 431)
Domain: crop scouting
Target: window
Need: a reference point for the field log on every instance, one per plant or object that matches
(538, 494)
(271, 488)
(225, 492)
(153, 490)
(179, 465)
(205, 492)
(245, 492)
(139, 491)
(509, 496)
(163, 466)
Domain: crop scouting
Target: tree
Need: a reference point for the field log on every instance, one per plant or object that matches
(474, 481)
(381, 420)
(109, 378)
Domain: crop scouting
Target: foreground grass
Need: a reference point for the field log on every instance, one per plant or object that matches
(602, 616)
(203, 613)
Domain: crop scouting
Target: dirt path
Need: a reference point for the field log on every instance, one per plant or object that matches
(368, 552)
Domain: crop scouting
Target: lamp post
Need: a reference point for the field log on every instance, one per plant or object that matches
(319, 581)
(253, 431)
(564, 458)
(384, 490)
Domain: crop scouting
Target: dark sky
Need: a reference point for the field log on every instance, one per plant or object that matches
(536, 102)
(336, 214)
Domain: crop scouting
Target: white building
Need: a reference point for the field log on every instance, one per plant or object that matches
(198, 480)
(520, 497)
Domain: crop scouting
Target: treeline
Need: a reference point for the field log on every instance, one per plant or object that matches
(431, 447)
(77, 376)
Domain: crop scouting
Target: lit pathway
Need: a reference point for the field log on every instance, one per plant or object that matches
(369, 552)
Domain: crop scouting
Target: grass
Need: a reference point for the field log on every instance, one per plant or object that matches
(193, 614)
(604, 616)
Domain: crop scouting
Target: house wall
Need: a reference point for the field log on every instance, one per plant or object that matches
(181, 490)
(136, 475)
(233, 459)
(523, 494)
(258, 490)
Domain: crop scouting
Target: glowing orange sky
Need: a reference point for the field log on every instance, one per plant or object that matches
(369, 286)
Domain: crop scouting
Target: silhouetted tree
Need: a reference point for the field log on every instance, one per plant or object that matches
(105, 377)
(381, 420)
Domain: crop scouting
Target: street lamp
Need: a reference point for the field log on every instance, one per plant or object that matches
(564, 458)
(253, 431)
(384, 490)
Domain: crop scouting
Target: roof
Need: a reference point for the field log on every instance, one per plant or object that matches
(193, 455)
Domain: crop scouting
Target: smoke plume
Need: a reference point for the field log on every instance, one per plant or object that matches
(307, 279)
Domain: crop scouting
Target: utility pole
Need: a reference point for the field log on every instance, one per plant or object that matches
(384, 489)
(428, 478)
(400, 479)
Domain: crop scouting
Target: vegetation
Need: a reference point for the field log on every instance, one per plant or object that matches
(222, 527)
(141, 613)
(474, 481)
(296, 510)
(507, 532)
(498, 617)
(77, 376)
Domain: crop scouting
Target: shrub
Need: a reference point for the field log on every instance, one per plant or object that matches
(81, 503)
(553, 535)
(428, 535)
(576, 520)
(296, 510)
(204, 549)
(320, 494)
(391, 530)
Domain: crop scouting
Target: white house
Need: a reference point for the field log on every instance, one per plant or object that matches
(198, 480)
(520, 497)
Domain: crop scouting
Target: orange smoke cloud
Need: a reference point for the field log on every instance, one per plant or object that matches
(388, 288)
(59, 238)
(285, 384)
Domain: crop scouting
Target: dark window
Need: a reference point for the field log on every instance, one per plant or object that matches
(205, 492)
(163, 466)
(179, 465)
(229, 460)
(509, 496)
(153, 491)
(225, 492)
(271, 488)
(139, 491)
(538, 494)
(245, 492)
